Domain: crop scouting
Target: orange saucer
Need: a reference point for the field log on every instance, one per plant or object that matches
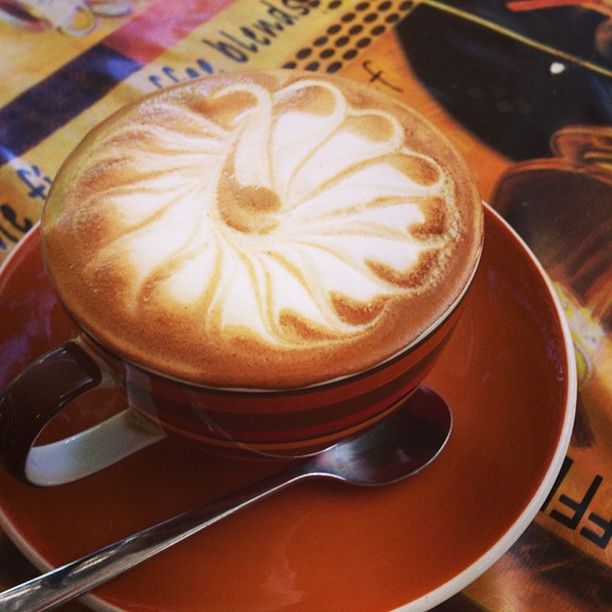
(508, 374)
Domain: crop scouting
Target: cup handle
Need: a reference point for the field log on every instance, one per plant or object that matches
(37, 395)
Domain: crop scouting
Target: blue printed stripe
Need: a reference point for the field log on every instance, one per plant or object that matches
(41, 110)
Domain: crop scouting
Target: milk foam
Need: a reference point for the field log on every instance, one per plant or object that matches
(276, 211)
(262, 229)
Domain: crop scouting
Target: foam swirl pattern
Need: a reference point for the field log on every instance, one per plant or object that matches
(284, 215)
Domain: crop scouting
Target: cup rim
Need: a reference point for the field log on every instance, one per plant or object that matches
(220, 361)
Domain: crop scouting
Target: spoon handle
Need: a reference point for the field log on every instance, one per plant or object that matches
(78, 577)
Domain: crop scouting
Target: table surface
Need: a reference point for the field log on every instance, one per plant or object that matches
(523, 88)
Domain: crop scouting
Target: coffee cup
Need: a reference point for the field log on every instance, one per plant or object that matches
(265, 262)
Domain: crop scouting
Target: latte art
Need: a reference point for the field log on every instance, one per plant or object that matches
(283, 215)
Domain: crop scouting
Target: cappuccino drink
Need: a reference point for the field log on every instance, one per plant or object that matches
(262, 230)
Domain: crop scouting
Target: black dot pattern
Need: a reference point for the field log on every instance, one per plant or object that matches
(342, 41)
(354, 30)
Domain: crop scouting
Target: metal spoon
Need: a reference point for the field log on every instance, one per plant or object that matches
(395, 448)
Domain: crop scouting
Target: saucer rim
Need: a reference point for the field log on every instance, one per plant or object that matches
(460, 581)
(501, 545)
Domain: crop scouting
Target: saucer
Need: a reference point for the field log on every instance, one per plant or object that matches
(508, 373)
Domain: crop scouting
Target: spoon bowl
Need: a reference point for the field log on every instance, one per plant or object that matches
(394, 448)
